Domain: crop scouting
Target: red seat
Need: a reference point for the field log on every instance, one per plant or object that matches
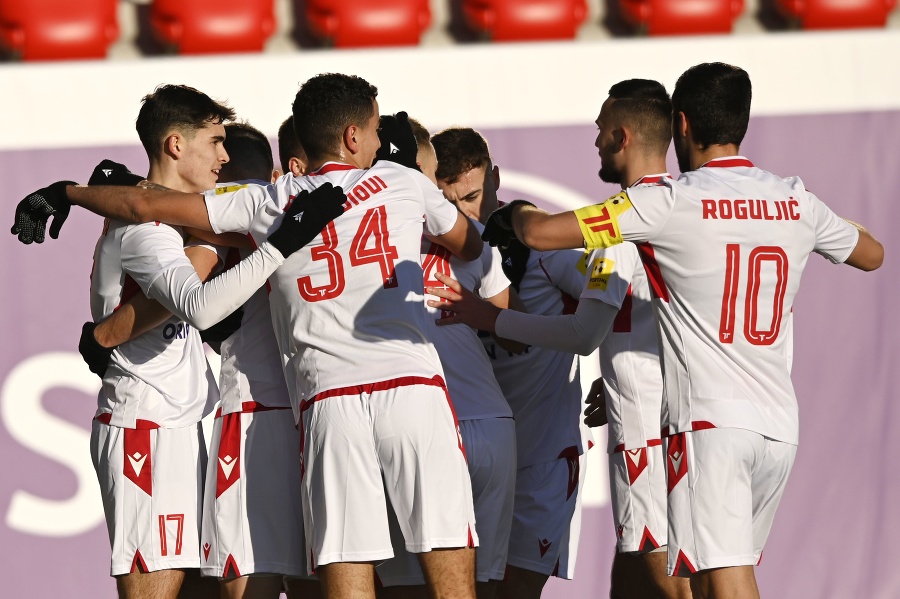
(675, 17)
(512, 20)
(838, 14)
(358, 23)
(203, 27)
(57, 29)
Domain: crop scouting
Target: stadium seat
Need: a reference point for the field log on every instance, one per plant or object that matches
(360, 23)
(676, 17)
(837, 14)
(521, 20)
(57, 29)
(203, 27)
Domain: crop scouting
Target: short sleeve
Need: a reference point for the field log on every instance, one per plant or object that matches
(835, 237)
(609, 274)
(234, 207)
(440, 215)
(149, 250)
(564, 268)
(494, 280)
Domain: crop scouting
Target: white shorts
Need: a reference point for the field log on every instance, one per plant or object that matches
(547, 515)
(252, 517)
(491, 452)
(637, 479)
(391, 441)
(724, 488)
(151, 483)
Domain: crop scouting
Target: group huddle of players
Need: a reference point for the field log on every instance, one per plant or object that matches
(399, 405)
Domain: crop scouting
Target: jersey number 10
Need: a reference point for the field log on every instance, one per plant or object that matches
(758, 256)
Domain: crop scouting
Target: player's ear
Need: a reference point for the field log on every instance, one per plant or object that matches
(275, 174)
(296, 166)
(622, 136)
(350, 139)
(680, 125)
(496, 177)
(173, 145)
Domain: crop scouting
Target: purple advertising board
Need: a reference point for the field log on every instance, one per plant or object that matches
(833, 535)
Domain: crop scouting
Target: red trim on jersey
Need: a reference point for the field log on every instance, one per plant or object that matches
(331, 167)
(683, 562)
(760, 558)
(248, 407)
(138, 564)
(635, 463)
(622, 322)
(139, 424)
(590, 444)
(727, 162)
(570, 304)
(470, 543)
(231, 565)
(403, 381)
(571, 456)
(651, 179)
(647, 538)
(696, 425)
(228, 458)
(654, 274)
(650, 443)
(676, 460)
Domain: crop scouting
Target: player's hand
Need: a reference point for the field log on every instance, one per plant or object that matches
(515, 261)
(223, 329)
(398, 143)
(498, 231)
(113, 173)
(95, 355)
(305, 218)
(595, 412)
(32, 212)
(465, 306)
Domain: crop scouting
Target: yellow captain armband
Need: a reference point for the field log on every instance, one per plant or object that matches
(229, 188)
(600, 222)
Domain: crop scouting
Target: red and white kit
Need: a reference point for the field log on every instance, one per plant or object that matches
(632, 380)
(724, 271)
(485, 419)
(146, 444)
(347, 314)
(543, 389)
(252, 516)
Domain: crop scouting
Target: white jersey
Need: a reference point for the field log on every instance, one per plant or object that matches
(470, 379)
(347, 308)
(725, 248)
(160, 378)
(251, 376)
(629, 355)
(542, 385)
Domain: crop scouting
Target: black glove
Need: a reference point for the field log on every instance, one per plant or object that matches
(498, 231)
(32, 212)
(306, 217)
(515, 260)
(113, 173)
(95, 355)
(223, 329)
(398, 144)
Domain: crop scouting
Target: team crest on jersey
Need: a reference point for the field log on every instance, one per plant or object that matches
(599, 223)
(228, 189)
(601, 269)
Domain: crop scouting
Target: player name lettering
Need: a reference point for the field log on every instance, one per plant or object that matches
(365, 190)
(751, 209)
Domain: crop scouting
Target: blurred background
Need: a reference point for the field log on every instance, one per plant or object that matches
(531, 75)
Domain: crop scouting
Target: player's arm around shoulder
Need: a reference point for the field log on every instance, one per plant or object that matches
(543, 231)
(462, 240)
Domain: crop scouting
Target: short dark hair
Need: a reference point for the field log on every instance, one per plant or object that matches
(249, 154)
(645, 105)
(288, 145)
(458, 150)
(715, 97)
(326, 105)
(176, 107)
(419, 132)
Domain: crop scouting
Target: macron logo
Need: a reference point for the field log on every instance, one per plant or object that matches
(298, 217)
(227, 465)
(394, 149)
(676, 460)
(107, 171)
(137, 462)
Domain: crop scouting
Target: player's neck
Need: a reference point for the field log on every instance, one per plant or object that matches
(342, 157)
(700, 156)
(168, 178)
(637, 169)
